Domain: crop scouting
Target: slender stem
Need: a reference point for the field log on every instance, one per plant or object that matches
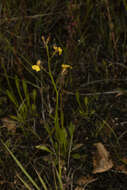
(55, 88)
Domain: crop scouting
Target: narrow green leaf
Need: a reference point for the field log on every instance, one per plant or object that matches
(25, 184)
(34, 95)
(21, 167)
(43, 147)
(60, 180)
(6, 75)
(12, 97)
(42, 181)
(125, 4)
(86, 101)
(63, 136)
(71, 129)
(17, 82)
(25, 88)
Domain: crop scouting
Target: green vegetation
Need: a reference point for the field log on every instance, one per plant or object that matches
(63, 92)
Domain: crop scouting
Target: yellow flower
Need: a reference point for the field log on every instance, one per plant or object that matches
(57, 49)
(65, 66)
(36, 68)
(60, 50)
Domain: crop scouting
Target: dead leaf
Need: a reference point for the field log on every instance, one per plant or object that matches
(77, 146)
(119, 94)
(124, 160)
(79, 188)
(9, 124)
(101, 160)
(84, 180)
(121, 169)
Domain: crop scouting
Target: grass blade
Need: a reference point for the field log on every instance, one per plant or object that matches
(25, 184)
(21, 167)
(42, 181)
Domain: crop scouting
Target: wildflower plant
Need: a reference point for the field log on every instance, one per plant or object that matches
(60, 143)
(61, 140)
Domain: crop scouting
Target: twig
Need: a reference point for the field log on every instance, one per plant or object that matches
(111, 24)
(92, 94)
(2, 20)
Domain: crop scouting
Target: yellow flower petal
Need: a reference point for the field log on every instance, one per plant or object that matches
(60, 50)
(38, 63)
(36, 68)
(57, 49)
(65, 66)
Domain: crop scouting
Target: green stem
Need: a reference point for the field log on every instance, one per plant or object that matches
(55, 88)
